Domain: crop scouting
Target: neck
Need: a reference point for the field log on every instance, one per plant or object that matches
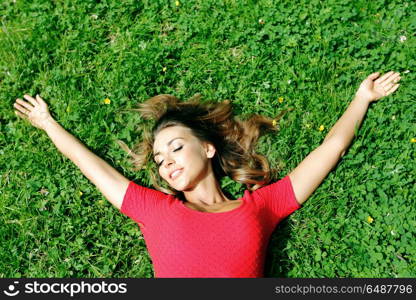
(206, 193)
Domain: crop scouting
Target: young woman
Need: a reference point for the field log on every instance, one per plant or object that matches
(191, 227)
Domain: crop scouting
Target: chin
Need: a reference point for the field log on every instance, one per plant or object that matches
(181, 187)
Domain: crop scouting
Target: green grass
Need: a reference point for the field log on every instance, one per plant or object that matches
(313, 53)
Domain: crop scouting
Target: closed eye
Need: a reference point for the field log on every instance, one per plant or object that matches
(177, 149)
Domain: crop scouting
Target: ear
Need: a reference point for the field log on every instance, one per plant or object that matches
(209, 150)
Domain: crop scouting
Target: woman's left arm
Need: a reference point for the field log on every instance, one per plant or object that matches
(310, 173)
(369, 91)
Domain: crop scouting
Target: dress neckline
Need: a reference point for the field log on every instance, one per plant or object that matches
(182, 204)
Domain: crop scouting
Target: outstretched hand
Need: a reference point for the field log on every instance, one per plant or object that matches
(36, 111)
(372, 89)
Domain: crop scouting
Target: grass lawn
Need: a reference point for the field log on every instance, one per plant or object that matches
(264, 56)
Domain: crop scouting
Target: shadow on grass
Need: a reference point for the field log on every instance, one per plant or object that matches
(277, 262)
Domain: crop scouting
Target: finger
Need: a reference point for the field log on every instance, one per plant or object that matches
(392, 78)
(373, 75)
(384, 77)
(31, 100)
(40, 100)
(387, 84)
(20, 114)
(21, 108)
(391, 90)
(24, 104)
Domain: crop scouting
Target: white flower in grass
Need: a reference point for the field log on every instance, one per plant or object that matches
(403, 38)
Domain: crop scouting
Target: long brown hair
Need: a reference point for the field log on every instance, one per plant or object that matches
(234, 139)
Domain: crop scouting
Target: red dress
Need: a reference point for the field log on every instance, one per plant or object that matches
(183, 242)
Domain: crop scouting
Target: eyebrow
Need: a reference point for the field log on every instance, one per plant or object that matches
(170, 142)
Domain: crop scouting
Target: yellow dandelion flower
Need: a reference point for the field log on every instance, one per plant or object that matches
(177, 3)
(370, 219)
(280, 99)
(413, 140)
(321, 128)
(164, 69)
(80, 193)
(274, 123)
(107, 101)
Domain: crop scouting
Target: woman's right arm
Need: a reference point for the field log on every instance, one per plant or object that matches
(108, 180)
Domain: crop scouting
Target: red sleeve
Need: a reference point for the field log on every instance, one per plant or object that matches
(140, 203)
(279, 198)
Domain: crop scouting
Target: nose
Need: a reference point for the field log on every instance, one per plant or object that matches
(167, 168)
(168, 162)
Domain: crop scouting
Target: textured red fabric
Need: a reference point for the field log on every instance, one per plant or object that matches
(183, 242)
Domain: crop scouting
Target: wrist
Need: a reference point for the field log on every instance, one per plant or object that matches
(358, 98)
(48, 123)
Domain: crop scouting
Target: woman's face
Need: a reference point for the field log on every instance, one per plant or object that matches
(182, 159)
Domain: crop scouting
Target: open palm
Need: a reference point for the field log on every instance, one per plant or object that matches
(372, 89)
(35, 110)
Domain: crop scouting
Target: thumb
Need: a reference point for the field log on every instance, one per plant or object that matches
(40, 100)
(373, 75)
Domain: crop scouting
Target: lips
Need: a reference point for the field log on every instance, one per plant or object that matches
(175, 173)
